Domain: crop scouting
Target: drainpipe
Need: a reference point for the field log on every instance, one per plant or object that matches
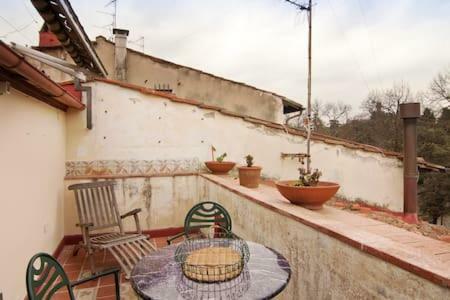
(292, 117)
(16, 63)
(410, 112)
(88, 90)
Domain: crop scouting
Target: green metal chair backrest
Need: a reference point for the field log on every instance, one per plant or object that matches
(204, 215)
(45, 277)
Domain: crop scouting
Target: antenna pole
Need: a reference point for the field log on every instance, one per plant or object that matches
(115, 15)
(308, 117)
(308, 141)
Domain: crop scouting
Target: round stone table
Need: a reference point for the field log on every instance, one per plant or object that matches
(159, 276)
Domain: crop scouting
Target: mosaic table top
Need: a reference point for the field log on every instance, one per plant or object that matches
(159, 276)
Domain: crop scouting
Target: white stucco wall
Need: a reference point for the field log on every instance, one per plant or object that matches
(32, 155)
(129, 125)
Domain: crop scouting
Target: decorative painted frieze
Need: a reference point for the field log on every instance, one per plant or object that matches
(119, 168)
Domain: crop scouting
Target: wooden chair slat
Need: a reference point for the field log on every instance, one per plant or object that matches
(105, 204)
(135, 251)
(139, 248)
(126, 248)
(77, 202)
(116, 210)
(101, 212)
(117, 256)
(84, 209)
(94, 203)
(112, 214)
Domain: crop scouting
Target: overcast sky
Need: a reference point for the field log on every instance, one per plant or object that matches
(358, 45)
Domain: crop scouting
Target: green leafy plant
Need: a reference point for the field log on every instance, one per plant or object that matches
(249, 160)
(222, 157)
(308, 179)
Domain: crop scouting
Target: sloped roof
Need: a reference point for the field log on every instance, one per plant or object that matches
(288, 104)
(423, 164)
(64, 23)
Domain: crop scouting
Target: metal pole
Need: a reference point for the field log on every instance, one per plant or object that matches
(308, 140)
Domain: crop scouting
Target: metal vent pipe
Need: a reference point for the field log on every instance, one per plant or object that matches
(410, 112)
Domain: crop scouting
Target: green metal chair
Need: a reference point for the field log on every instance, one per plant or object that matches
(45, 276)
(204, 215)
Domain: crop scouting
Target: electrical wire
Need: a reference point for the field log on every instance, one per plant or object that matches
(16, 30)
(371, 44)
(29, 12)
(353, 54)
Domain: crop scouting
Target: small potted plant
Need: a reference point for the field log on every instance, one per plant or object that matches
(249, 175)
(308, 191)
(218, 165)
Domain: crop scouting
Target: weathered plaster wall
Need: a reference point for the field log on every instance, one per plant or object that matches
(191, 84)
(129, 125)
(164, 201)
(32, 155)
(322, 267)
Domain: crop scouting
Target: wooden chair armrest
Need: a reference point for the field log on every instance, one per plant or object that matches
(131, 213)
(114, 271)
(84, 224)
(172, 238)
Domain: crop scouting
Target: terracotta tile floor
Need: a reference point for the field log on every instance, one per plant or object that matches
(77, 267)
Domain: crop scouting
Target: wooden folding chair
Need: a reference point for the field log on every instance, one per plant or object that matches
(98, 210)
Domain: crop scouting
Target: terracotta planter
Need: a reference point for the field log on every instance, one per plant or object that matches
(311, 197)
(219, 167)
(249, 176)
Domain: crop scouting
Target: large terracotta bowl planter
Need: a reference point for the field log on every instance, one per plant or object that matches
(249, 176)
(311, 197)
(219, 167)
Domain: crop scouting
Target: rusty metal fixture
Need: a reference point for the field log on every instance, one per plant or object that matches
(88, 90)
(16, 63)
(410, 112)
(301, 156)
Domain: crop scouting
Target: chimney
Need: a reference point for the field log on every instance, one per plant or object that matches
(47, 39)
(410, 112)
(120, 67)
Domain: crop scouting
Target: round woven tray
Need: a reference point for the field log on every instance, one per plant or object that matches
(212, 259)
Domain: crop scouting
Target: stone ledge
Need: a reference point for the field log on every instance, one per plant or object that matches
(425, 257)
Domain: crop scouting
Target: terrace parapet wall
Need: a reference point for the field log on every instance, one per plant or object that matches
(335, 254)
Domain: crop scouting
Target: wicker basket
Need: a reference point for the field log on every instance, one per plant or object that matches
(213, 259)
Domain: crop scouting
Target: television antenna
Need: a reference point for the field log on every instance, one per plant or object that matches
(113, 15)
(140, 42)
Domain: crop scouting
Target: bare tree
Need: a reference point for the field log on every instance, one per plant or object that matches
(384, 106)
(439, 91)
(387, 100)
(336, 112)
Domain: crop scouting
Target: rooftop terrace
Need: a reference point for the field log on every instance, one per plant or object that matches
(329, 250)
